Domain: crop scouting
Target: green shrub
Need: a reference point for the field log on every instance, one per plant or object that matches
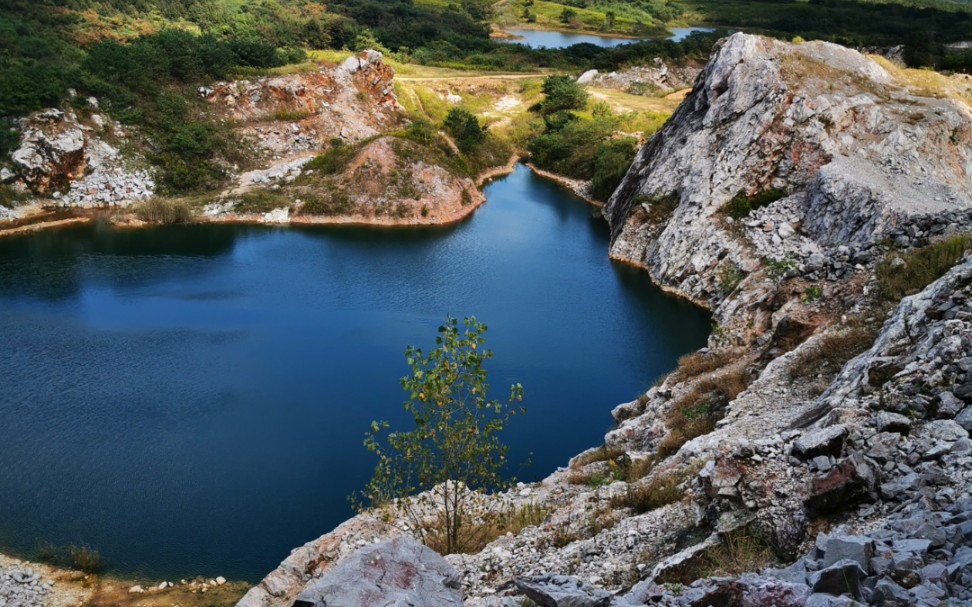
(334, 160)
(611, 163)
(730, 275)
(261, 201)
(562, 93)
(742, 205)
(465, 128)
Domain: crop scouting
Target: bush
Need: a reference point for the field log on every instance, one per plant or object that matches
(334, 160)
(454, 446)
(742, 205)
(611, 163)
(465, 128)
(562, 93)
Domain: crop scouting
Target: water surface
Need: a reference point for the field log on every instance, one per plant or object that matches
(192, 400)
(557, 39)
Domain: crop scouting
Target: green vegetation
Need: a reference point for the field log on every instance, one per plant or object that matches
(455, 443)
(903, 274)
(577, 146)
(465, 128)
(561, 93)
(742, 204)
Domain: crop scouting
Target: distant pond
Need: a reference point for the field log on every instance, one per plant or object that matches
(191, 400)
(558, 39)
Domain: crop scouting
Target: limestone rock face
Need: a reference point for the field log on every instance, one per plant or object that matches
(287, 115)
(51, 152)
(853, 152)
(400, 571)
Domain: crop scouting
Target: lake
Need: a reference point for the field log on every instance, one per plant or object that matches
(191, 400)
(558, 39)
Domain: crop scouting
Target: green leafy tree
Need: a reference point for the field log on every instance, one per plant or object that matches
(568, 15)
(562, 93)
(454, 448)
(465, 128)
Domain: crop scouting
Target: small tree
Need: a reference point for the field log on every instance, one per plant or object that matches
(567, 15)
(562, 93)
(454, 447)
(465, 128)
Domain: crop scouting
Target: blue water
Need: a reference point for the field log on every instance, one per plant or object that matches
(192, 400)
(557, 39)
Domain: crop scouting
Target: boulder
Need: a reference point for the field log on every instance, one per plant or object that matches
(887, 421)
(52, 150)
(562, 591)
(842, 577)
(848, 547)
(852, 479)
(826, 441)
(400, 571)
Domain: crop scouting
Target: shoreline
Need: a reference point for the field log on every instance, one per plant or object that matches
(68, 587)
(76, 215)
(577, 187)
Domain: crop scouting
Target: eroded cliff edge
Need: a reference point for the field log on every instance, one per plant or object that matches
(821, 441)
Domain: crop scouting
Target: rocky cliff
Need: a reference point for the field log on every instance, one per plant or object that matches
(817, 452)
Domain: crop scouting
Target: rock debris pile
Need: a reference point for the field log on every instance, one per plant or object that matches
(22, 587)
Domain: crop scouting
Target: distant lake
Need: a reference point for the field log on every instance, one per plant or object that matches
(558, 39)
(191, 400)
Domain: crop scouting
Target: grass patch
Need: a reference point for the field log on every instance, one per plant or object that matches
(72, 556)
(334, 201)
(261, 201)
(696, 412)
(903, 274)
(334, 160)
(164, 211)
(483, 529)
(601, 454)
(826, 358)
(697, 363)
(741, 205)
(660, 491)
(741, 551)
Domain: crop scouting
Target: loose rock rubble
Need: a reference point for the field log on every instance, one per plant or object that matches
(22, 587)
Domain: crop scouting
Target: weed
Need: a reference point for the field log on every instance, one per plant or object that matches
(601, 454)
(779, 268)
(828, 355)
(696, 412)
(659, 208)
(290, 115)
(812, 293)
(697, 363)
(905, 274)
(740, 551)
(73, 556)
(160, 210)
(730, 276)
(660, 491)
